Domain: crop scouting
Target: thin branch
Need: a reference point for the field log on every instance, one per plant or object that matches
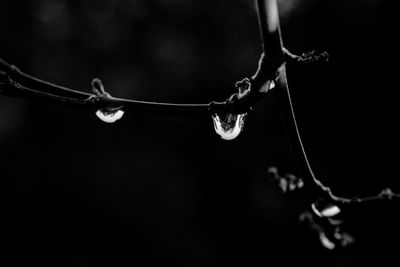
(14, 82)
(271, 38)
(268, 19)
(306, 58)
(316, 188)
(385, 194)
(271, 73)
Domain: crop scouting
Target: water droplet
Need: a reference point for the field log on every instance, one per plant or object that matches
(271, 85)
(325, 210)
(108, 115)
(267, 86)
(326, 242)
(228, 126)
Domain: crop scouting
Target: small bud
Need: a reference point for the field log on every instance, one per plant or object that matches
(387, 193)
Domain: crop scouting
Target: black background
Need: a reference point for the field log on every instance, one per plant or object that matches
(154, 190)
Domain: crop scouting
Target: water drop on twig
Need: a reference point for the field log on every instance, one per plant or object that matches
(228, 126)
(108, 115)
(325, 210)
(326, 242)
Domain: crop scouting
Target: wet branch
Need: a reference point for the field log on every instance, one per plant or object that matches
(270, 78)
(271, 74)
(14, 82)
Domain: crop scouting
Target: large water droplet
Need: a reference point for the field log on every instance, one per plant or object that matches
(108, 115)
(228, 126)
(325, 210)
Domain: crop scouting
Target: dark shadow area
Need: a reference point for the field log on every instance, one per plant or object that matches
(153, 190)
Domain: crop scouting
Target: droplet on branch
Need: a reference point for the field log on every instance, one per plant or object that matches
(109, 115)
(323, 209)
(329, 232)
(326, 242)
(228, 126)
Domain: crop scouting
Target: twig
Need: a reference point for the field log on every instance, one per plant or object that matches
(14, 82)
(271, 73)
(270, 30)
(271, 37)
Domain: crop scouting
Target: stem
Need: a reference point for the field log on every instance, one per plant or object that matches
(282, 95)
(268, 19)
(271, 68)
(22, 84)
(14, 82)
(274, 56)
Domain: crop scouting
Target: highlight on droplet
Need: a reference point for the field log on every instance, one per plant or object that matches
(328, 210)
(271, 85)
(326, 242)
(228, 126)
(108, 115)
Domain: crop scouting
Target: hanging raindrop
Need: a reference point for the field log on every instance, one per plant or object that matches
(228, 125)
(325, 209)
(109, 115)
(328, 244)
(271, 85)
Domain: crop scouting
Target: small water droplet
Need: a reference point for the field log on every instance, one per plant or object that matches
(327, 210)
(271, 85)
(228, 126)
(326, 242)
(109, 116)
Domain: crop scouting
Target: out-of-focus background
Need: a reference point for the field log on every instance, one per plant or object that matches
(154, 190)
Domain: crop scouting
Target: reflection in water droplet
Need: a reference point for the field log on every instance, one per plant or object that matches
(326, 242)
(109, 116)
(228, 126)
(328, 210)
(271, 85)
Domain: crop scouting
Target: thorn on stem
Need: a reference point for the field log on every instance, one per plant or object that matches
(98, 88)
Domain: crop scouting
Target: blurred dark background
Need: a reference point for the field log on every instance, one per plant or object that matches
(155, 190)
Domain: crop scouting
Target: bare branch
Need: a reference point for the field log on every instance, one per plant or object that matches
(268, 19)
(14, 82)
